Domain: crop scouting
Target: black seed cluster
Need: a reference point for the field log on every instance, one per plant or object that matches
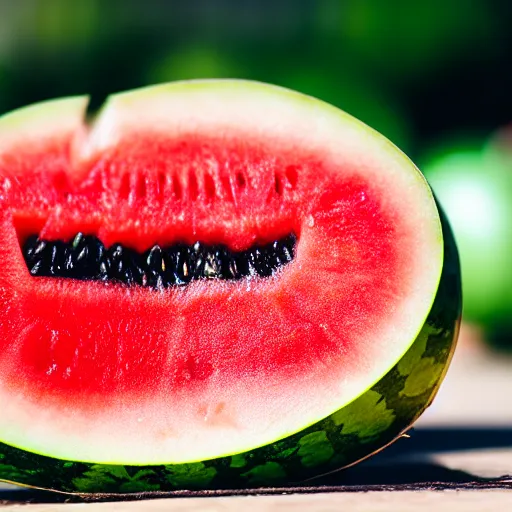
(86, 258)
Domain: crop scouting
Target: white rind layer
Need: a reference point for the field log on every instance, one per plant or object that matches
(41, 122)
(232, 107)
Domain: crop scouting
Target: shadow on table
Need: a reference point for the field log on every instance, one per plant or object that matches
(452, 439)
(407, 464)
(410, 460)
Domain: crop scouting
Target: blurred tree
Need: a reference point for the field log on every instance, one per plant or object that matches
(388, 62)
(400, 40)
(195, 61)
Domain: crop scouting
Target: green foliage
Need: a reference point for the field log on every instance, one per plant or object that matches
(397, 38)
(195, 61)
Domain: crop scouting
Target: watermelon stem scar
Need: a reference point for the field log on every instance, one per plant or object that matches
(87, 258)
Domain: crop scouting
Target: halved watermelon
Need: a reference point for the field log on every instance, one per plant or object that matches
(225, 282)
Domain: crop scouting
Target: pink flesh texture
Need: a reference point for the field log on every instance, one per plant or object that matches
(307, 317)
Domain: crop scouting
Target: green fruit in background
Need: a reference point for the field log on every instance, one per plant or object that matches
(473, 182)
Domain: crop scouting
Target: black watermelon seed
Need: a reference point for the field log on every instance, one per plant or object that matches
(155, 260)
(30, 246)
(77, 240)
(86, 258)
(155, 267)
(232, 271)
(57, 258)
(40, 247)
(36, 268)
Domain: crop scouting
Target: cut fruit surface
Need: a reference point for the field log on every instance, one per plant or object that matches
(115, 373)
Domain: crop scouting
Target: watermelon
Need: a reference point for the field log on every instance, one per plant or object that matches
(212, 284)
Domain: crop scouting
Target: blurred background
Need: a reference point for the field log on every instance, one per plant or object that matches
(435, 76)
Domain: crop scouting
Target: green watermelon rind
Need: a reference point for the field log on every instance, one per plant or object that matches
(372, 421)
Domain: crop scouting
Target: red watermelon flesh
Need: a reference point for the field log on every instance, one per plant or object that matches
(106, 373)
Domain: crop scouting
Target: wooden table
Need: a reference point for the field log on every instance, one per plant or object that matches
(458, 458)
